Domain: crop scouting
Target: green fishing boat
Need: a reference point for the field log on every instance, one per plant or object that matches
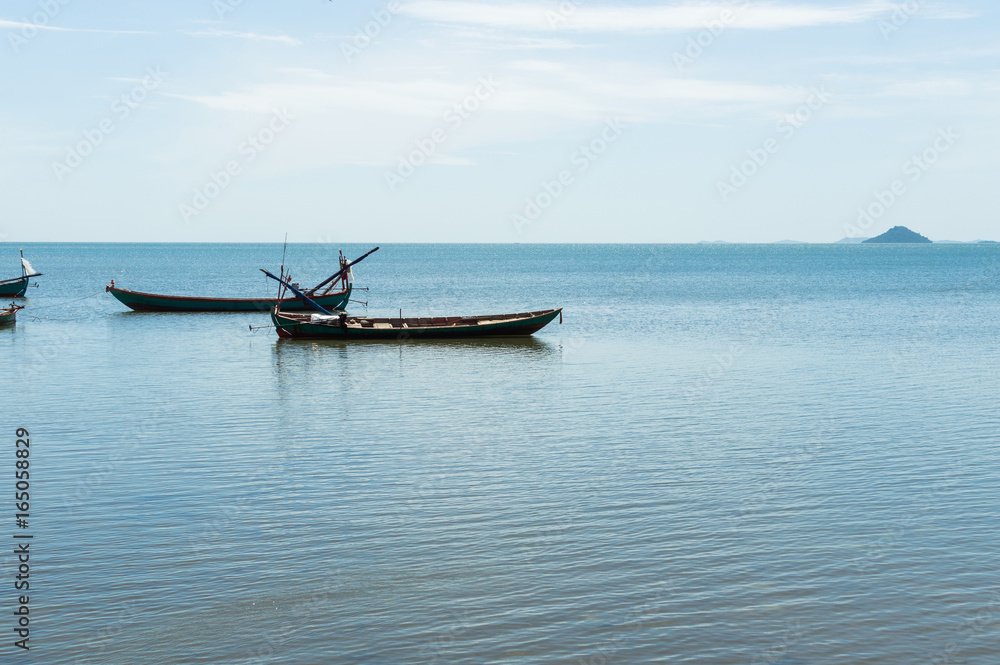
(154, 302)
(13, 288)
(9, 316)
(322, 324)
(16, 286)
(342, 326)
(328, 297)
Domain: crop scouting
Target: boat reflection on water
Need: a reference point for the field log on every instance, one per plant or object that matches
(359, 363)
(293, 350)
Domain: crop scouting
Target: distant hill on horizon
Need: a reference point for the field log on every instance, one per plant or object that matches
(899, 234)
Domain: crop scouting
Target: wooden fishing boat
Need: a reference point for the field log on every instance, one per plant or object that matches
(321, 323)
(13, 288)
(16, 286)
(153, 302)
(9, 316)
(328, 299)
(342, 326)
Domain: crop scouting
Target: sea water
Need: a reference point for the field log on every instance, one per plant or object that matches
(724, 454)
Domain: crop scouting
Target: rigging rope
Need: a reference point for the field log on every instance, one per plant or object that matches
(68, 302)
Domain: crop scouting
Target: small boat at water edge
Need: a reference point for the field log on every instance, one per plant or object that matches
(16, 286)
(8, 317)
(329, 299)
(342, 326)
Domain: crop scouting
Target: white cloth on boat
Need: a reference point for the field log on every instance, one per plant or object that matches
(28, 270)
(323, 318)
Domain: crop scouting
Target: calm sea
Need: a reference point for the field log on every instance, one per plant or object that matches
(725, 454)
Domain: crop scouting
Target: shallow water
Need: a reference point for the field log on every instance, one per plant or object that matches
(726, 454)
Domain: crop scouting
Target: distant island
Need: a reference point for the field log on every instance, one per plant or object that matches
(898, 234)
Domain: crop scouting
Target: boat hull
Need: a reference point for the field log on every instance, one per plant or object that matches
(8, 317)
(13, 288)
(151, 302)
(298, 326)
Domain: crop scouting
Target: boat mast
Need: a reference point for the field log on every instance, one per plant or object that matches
(27, 270)
(301, 296)
(343, 275)
(340, 273)
(284, 249)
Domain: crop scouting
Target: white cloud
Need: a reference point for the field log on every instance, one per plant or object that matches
(479, 39)
(940, 11)
(228, 34)
(530, 86)
(941, 87)
(920, 56)
(20, 25)
(657, 18)
(370, 117)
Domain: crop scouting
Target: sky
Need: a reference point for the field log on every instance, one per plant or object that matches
(480, 121)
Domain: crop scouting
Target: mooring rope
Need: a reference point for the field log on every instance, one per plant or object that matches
(68, 302)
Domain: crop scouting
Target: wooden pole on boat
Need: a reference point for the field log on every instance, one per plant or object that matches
(340, 272)
(282, 273)
(301, 296)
